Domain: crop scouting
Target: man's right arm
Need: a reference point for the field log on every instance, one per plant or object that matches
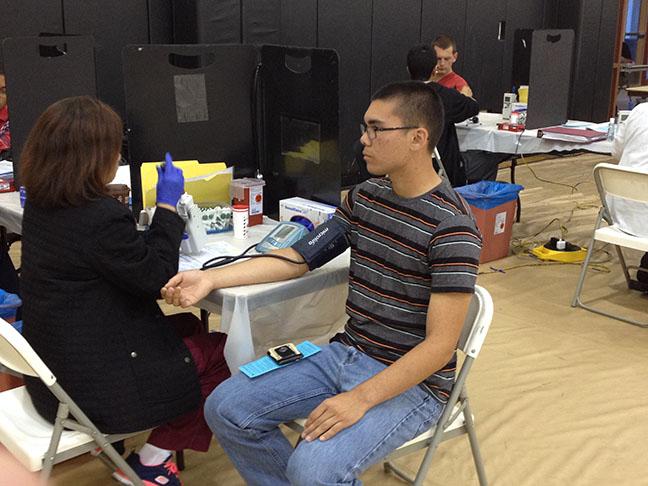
(315, 249)
(466, 91)
(457, 107)
(188, 288)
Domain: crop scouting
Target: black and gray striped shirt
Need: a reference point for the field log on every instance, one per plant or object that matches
(402, 250)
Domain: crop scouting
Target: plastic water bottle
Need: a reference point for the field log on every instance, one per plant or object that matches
(611, 129)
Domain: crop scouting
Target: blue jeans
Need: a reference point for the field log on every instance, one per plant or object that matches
(244, 415)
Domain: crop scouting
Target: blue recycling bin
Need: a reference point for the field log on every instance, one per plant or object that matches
(489, 194)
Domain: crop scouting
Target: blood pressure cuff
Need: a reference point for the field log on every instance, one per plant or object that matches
(323, 244)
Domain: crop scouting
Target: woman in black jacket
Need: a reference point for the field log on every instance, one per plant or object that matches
(90, 284)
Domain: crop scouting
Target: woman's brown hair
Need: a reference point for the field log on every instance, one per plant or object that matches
(70, 152)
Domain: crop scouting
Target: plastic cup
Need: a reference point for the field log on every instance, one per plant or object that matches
(240, 221)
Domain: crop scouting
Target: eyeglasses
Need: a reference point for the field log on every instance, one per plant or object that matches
(372, 132)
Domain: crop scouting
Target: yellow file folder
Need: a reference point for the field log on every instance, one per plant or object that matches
(208, 182)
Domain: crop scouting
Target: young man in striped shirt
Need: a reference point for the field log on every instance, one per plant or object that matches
(414, 260)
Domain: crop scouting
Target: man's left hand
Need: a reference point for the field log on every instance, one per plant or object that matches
(333, 415)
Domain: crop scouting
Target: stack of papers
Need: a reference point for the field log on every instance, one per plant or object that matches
(213, 249)
(6, 168)
(6, 176)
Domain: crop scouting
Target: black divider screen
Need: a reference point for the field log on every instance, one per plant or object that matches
(299, 23)
(393, 36)
(21, 18)
(261, 21)
(523, 41)
(160, 21)
(550, 77)
(207, 21)
(300, 135)
(193, 101)
(40, 71)
(345, 26)
(114, 24)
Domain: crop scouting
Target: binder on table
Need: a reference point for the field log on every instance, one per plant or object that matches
(577, 135)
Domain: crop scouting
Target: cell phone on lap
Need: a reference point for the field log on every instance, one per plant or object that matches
(286, 353)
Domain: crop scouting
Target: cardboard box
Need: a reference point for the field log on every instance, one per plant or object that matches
(305, 211)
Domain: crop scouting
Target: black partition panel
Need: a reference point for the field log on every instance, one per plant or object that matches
(21, 18)
(193, 101)
(393, 36)
(113, 24)
(523, 40)
(520, 17)
(300, 128)
(346, 27)
(550, 77)
(207, 21)
(40, 71)
(299, 23)
(484, 51)
(160, 21)
(261, 21)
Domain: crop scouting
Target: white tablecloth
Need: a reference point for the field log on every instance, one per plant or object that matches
(11, 212)
(486, 136)
(256, 317)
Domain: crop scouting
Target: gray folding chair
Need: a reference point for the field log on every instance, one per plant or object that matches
(32, 440)
(628, 184)
(442, 172)
(457, 417)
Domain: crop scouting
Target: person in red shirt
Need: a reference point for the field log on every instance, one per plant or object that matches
(446, 52)
(5, 136)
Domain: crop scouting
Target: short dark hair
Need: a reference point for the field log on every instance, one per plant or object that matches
(445, 41)
(418, 105)
(70, 152)
(421, 60)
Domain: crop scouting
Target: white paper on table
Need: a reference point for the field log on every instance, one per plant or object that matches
(122, 176)
(212, 250)
(6, 167)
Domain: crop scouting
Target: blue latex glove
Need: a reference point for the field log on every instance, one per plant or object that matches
(170, 185)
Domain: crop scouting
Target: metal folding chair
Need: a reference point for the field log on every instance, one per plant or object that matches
(32, 440)
(442, 172)
(457, 417)
(621, 182)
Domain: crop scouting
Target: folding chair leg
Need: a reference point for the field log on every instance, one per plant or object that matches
(427, 459)
(389, 467)
(474, 444)
(48, 461)
(576, 302)
(180, 459)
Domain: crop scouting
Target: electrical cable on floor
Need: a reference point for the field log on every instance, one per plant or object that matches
(598, 266)
(524, 242)
(522, 245)
(528, 166)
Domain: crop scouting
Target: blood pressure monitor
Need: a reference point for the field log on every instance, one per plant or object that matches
(284, 235)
